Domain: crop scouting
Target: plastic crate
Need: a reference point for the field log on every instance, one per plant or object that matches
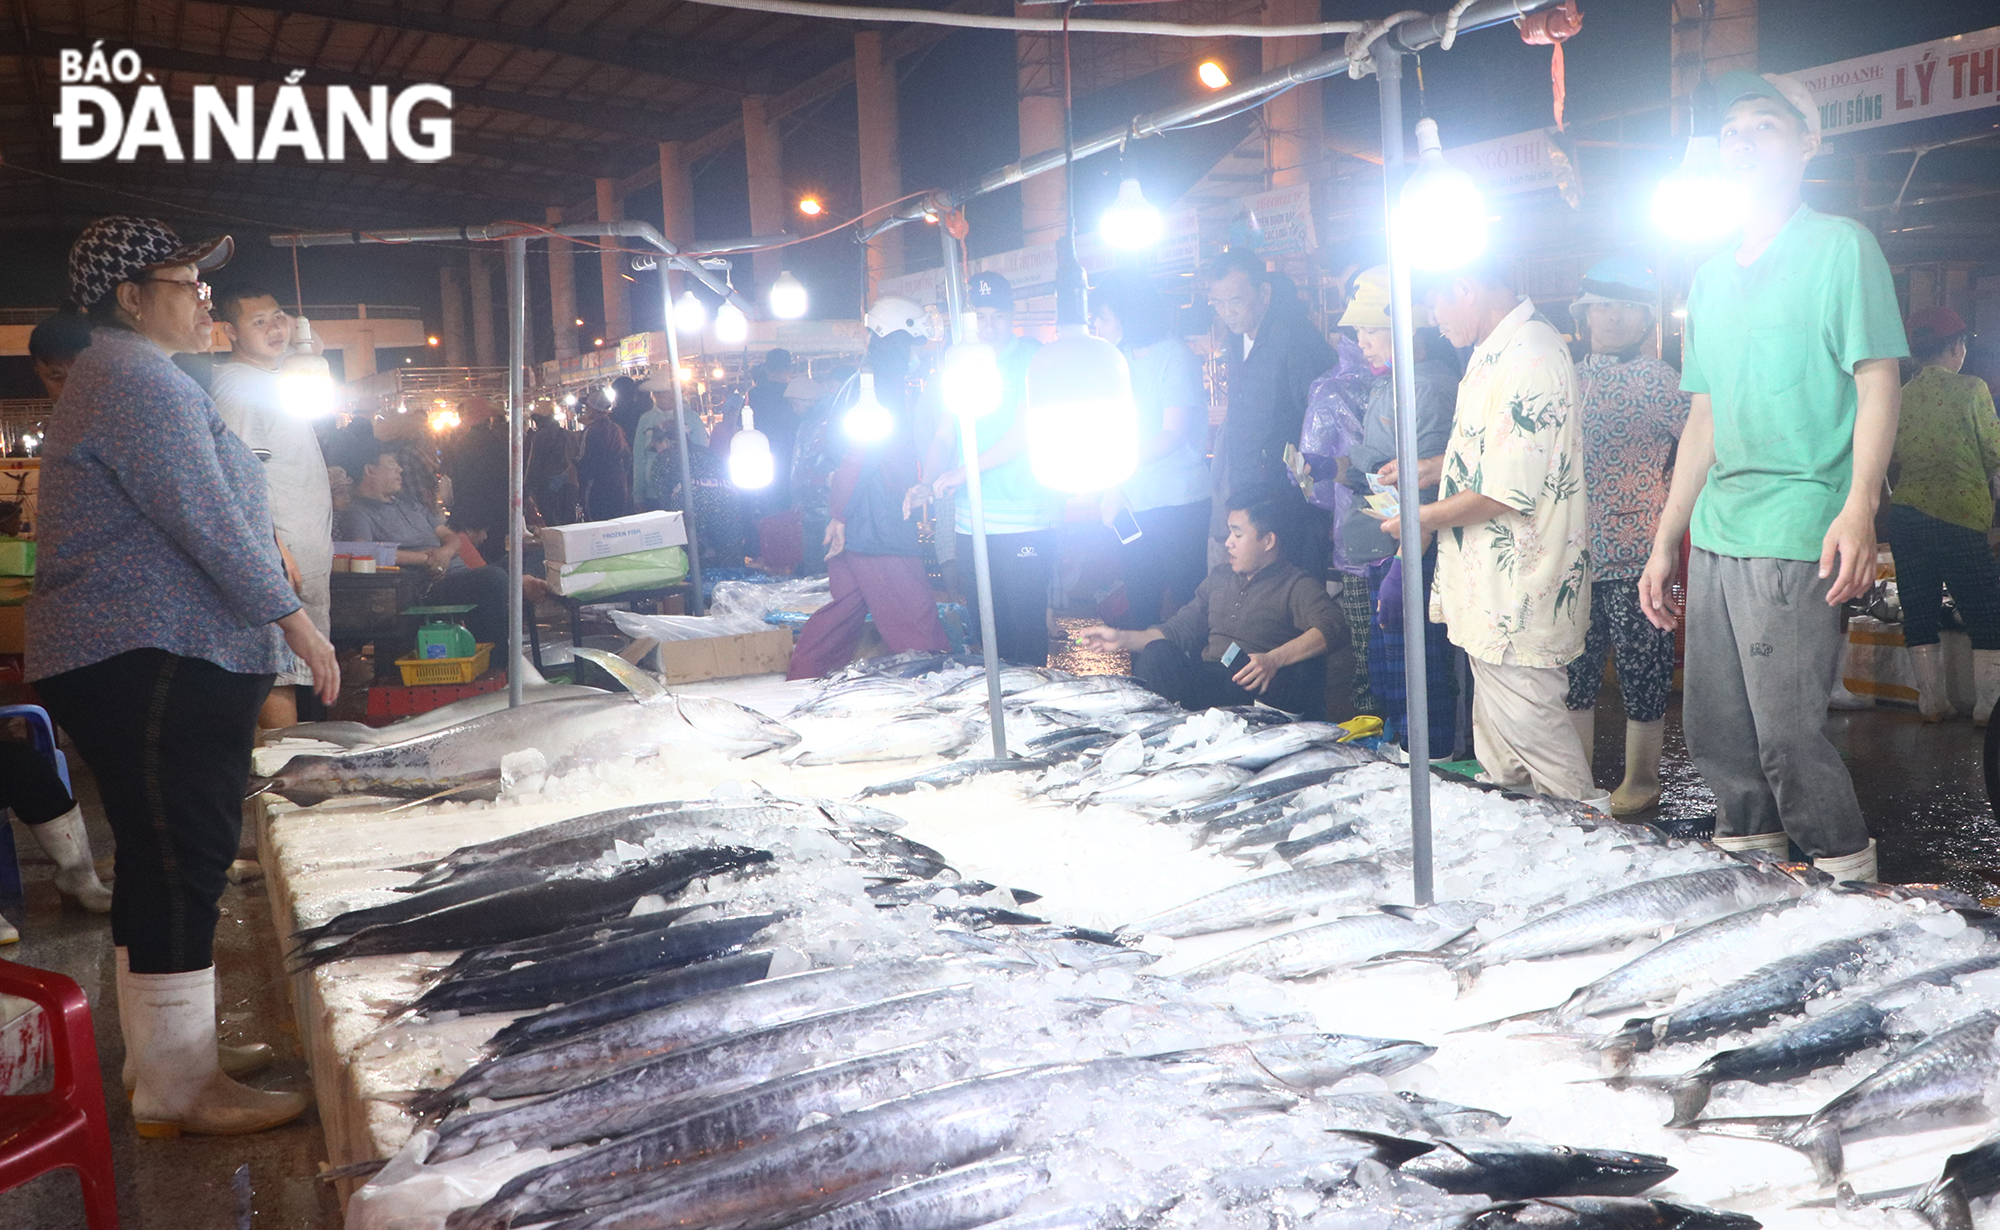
(418, 672)
(387, 702)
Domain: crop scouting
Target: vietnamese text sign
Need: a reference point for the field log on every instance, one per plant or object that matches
(1504, 165)
(1945, 77)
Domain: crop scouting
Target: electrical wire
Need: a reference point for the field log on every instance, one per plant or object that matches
(1035, 25)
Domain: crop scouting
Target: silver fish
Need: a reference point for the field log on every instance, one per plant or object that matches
(1259, 749)
(1265, 899)
(871, 694)
(900, 738)
(1091, 695)
(1311, 951)
(1190, 783)
(1401, 1113)
(350, 735)
(1323, 756)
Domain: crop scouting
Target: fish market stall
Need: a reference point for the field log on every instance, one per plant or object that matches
(1138, 970)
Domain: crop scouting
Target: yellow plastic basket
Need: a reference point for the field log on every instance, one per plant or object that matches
(419, 672)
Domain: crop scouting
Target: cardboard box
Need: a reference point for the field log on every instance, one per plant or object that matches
(723, 657)
(618, 574)
(646, 531)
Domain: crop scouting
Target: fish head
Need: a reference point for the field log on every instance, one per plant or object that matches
(1616, 1172)
(1676, 1216)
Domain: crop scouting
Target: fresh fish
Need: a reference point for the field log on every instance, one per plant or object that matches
(1092, 695)
(1631, 912)
(1275, 832)
(628, 1164)
(1325, 756)
(1946, 1201)
(971, 692)
(593, 1103)
(899, 738)
(1274, 788)
(1314, 849)
(1265, 899)
(952, 774)
(1087, 740)
(1601, 1213)
(1062, 734)
(1782, 988)
(568, 733)
(1168, 785)
(498, 958)
(465, 858)
(594, 969)
(1944, 1080)
(955, 1200)
(706, 1018)
(1260, 749)
(541, 1028)
(1519, 1170)
(1831, 1037)
(1401, 1113)
(873, 694)
(538, 908)
(351, 735)
(1314, 950)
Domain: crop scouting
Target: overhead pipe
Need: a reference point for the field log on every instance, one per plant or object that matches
(1408, 36)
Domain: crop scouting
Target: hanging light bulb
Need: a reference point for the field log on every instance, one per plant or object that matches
(788, 297)
(1131, 222)
(1699, 202)
(731, 325)
(305, 380)
(750, 465)
(868, 420)
(689, 314)
(1083, 427)
(1441, 216)
(1212, 74)
(969, 378)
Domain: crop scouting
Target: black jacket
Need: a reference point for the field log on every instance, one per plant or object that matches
(1267, 397)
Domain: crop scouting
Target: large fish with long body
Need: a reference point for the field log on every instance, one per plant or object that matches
(352, 735)
(1266, 899)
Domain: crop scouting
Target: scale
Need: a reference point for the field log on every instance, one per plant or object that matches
(444, 634)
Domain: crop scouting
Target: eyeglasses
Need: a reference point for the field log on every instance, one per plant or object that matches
(202, 290)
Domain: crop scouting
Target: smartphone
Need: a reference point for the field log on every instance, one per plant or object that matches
(1126, 526)
(1231, 654)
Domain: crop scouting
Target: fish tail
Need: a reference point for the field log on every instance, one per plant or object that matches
(1945, 1206)
(262, 785)
(1690, 1095)
(1466, 974)
(1411, 954)
(1546, 1016)
(1776, 1128)
(353, 1170)
(1390, 1150)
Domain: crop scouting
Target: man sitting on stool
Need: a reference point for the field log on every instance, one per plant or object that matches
(1258, 629)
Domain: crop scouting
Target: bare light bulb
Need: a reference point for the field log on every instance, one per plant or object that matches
(1131, 222)
(788, 297)
(305, 380)
(1698, 202)
(689, 314)
(1212, 74)
(969, 380)
(868, 420)
(1083, 428)
(731, 325)
(750, 465)
(1441, 215)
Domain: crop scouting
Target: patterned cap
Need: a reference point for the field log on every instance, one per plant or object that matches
(111, 250)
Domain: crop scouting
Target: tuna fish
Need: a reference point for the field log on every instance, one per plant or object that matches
(351, 735)
(952, 774)
(1311, 951)
(1266, 899)
(899, 738)
(1520, 1170)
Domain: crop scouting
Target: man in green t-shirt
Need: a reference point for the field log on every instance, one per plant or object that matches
(1792, 339)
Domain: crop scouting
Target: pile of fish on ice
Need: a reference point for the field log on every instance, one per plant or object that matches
(765, 1011)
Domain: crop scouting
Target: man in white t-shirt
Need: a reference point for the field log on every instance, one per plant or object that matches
(245, 390)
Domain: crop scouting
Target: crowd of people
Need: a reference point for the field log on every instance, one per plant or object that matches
(185, 532)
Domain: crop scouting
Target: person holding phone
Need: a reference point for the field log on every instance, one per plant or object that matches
(1160, 514)
(1258, 628)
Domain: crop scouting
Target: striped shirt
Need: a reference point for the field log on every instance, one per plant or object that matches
(155, 531)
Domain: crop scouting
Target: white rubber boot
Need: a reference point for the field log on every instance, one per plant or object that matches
(1585, 721)
(1771, 843)
(1841, 698)
(64, 840)
(1641, 787)
(1985, 684)
(233, 1060)
(1933, 697)
(180, 1087)
(1600, 803)
(1859, 865)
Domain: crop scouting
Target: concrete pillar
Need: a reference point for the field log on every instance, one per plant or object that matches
(611, 266)
(562, 290)
(1730, 43)
(764, 156)
(485, 347)
(1294, 119)
(881, 151)
(676, 200)
(1038, 79)
(451, 289)
(357, 358)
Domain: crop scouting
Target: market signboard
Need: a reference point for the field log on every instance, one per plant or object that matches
(1506, 165)
(1284, 218)
(1946, 77)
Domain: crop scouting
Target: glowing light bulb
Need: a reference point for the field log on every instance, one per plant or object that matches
(1441, 216)
(731, 325)
(788, 297)
(305, 380)
(716, 372)
(750, 465)
(1699, 202)
(1083, 427)
(810, 206)
(969, 379)
(1131, 222)
(689, 314)
(1212, 74)
(868, 420)
(431, 340)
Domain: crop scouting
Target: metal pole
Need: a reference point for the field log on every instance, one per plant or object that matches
(696, 607)
(968, 434)
(1416, 618)
(517, 358)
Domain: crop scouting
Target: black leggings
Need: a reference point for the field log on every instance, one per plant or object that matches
(169, 741)
(29, 785)
(1022, 565)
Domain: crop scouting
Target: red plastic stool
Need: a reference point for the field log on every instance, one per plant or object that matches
(67, 1126)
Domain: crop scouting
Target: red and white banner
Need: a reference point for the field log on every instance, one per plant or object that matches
(1951, 75)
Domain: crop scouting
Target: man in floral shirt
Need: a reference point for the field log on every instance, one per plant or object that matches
(1633, 412)
(1513, 574)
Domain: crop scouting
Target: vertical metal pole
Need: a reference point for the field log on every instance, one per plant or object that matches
(1416, 618)
(696, 607)
(517, 358)
(968, 434)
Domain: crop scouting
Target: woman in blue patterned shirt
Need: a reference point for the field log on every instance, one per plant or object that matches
(153, 635)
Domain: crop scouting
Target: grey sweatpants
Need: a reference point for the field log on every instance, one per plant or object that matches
(1763, 654)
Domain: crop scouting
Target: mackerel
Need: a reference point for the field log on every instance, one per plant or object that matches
(1265, 899)
(952, 774)
(1601, 1213)
(1258, 793)
(1520, 1170)
(531, 1032)
(1311, 951)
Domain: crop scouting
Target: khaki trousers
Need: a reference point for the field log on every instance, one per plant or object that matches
(1521, 730)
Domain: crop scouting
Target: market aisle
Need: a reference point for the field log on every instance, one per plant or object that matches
(192, 1181)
